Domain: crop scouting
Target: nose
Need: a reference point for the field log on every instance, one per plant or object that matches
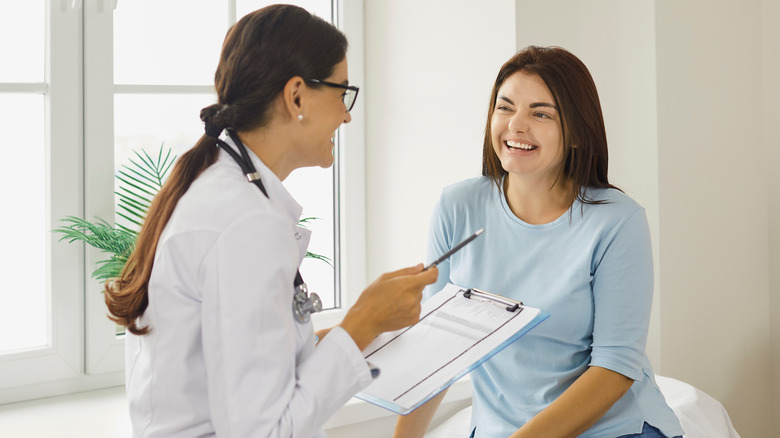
(518, 123)
(347, 118)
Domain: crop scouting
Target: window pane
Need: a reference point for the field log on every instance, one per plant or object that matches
(23, 176)
(320, 8)
(312, 188)
(22, 31)
(168, 42)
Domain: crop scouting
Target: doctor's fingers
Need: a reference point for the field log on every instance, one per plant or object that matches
(425, 278)
(409, 286)
(398, 308)
(411, 277)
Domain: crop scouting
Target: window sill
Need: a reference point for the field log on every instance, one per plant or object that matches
(103, 413)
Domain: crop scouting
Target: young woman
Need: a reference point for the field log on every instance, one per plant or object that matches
(560, 237)
(219, 338)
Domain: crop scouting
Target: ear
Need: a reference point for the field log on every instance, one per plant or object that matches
(293, 96)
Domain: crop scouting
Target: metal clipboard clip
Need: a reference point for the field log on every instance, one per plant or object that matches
(511, 305)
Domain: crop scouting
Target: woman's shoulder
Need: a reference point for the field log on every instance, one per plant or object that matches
(469, 190)
(610, 205)
(217, 198)
(615, 198)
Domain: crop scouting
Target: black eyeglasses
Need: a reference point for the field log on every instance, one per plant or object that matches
(350, 91)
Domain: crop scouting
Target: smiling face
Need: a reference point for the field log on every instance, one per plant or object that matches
(526, 129)
(322, 119)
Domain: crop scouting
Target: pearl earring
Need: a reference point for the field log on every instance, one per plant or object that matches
(300, 117)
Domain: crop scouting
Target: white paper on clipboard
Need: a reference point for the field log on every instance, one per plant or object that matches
(459, 329)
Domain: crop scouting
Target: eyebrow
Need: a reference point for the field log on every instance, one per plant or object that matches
(533, 105)
(543, 104)
(508, 100)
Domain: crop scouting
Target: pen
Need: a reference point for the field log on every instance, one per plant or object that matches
(455, 249)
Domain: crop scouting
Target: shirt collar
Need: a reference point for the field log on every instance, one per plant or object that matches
(277, 193)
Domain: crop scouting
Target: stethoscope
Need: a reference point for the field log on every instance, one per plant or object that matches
(304, 303)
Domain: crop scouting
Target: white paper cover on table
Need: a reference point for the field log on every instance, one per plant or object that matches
(700, 415)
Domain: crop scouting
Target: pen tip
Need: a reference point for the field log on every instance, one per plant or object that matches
(479, 231)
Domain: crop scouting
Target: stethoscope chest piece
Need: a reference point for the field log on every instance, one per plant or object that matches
(304, 303)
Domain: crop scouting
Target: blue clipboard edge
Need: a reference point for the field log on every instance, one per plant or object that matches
(404, 411)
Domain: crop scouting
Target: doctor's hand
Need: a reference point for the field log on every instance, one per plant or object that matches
(389, 303)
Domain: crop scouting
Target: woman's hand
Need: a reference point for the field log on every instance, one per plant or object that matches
(389, 303)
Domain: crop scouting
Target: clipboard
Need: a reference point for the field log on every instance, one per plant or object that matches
(459, 329)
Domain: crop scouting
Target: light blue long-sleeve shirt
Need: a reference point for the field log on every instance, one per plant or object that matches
(591, 269)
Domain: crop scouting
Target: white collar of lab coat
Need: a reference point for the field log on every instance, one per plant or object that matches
(277, 193)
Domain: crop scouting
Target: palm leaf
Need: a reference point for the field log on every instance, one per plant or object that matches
(325, 259)
(139, 183)
(111, 268)
(305, 221)
(101, 235)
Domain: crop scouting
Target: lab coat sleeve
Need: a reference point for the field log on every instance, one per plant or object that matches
(259, 383)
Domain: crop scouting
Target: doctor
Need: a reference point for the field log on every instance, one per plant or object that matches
(220, 341)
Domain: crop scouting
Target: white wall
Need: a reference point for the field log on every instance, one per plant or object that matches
(430, 66)
(714, 211)
(771, 43)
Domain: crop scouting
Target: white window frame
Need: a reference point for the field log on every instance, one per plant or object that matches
(84, 353)
(58, 367)
(104, 351)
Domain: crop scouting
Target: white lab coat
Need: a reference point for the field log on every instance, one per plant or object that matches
(225, 356)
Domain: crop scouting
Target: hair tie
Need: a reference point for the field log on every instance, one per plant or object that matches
(213, 130)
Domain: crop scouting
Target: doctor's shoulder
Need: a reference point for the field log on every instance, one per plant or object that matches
(215, 199)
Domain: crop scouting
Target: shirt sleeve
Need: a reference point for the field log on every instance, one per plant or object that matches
(439, 242)
(622, 295)
(259, 384)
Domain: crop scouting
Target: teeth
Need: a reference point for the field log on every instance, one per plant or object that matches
(523, 146)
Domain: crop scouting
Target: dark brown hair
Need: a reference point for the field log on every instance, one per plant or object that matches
(261, 52)
(582, 123)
